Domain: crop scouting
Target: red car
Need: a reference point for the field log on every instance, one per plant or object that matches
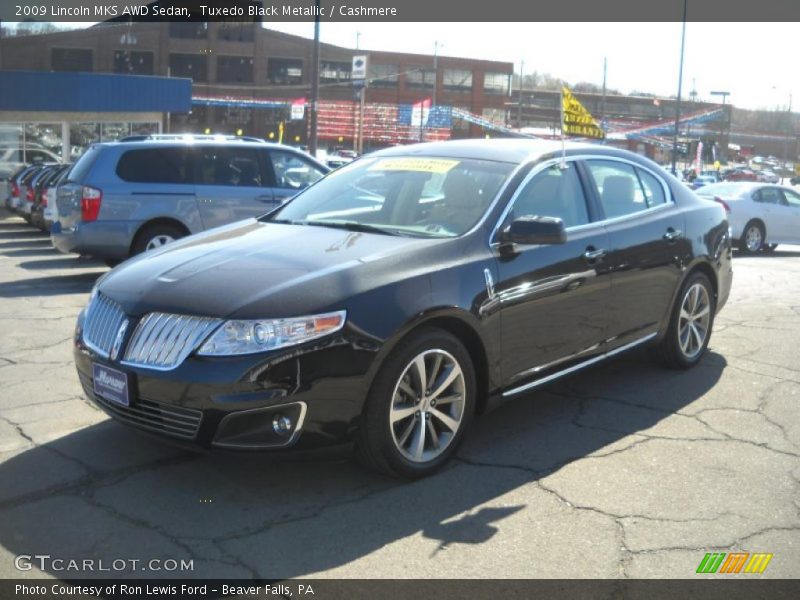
(742, 175)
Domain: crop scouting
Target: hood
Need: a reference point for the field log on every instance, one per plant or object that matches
(250, 268)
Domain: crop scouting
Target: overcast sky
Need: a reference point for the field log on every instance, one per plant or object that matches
(755, 62)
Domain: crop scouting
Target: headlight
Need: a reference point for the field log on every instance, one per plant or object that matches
(249, 337)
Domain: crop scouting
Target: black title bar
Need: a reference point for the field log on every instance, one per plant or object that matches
(399, 10)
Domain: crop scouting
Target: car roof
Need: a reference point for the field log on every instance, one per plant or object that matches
(514, 150)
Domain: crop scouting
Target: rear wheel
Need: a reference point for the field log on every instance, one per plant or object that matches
(690, 325)
(419, 407)
(155, 236)
(753, 238)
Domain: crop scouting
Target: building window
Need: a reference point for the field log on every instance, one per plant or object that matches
(234, 69)
(133, 62)
(420, 78)
(236, 32)
(285, 71)
(192, 31)
(457, 80)
(383, 75)
(70, 59)
(497, 83)
(331, 71)
(188, 65)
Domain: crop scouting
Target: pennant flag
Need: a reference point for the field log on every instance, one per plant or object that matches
(576, 120)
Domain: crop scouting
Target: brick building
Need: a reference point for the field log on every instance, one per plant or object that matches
(246, 76)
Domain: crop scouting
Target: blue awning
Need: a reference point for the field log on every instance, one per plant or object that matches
(93, 92)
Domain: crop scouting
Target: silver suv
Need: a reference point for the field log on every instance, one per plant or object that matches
(126, 197)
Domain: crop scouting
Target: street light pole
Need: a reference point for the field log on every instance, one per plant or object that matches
(678, 100)
(519, 104)
(312, 136)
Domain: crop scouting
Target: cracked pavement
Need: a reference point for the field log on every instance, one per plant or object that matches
(625, 470)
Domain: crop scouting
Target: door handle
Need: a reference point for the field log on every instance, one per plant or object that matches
(591, 254)
(672, 234)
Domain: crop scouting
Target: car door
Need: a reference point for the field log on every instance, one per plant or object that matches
(790, 207)
(768, 202)
(646, 245)
(289, 173)
(553, 298)
(230, 184)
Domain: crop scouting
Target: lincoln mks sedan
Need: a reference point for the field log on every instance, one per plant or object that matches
(388, 304)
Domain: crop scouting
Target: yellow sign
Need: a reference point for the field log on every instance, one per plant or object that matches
(423, 165)
(576, 120)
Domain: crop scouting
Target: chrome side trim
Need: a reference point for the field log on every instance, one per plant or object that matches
(487, 276)
(292, 439)
(579, 366)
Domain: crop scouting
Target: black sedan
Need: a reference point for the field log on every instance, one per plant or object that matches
(401, 295)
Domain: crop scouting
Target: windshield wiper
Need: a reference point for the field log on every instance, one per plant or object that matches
(352, 226)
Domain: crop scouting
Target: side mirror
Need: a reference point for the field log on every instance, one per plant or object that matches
(530, 229)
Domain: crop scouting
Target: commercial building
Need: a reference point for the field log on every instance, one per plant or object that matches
(245, 79)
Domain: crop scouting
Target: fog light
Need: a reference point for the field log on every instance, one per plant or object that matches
(281, 424)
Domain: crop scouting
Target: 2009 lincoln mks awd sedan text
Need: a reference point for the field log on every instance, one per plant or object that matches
(397, 297)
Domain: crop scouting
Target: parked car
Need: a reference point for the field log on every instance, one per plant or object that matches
(27, 190)
(123, 198)
(340, 157)
(13, 198)
(485, 269)
(761, 215)
(49, 195)
(702, 180)
(768, 176)
(741, 174)
(41, 195)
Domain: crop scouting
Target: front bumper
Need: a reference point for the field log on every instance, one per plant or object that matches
(232, 403)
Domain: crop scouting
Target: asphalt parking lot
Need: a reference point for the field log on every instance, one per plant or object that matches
(626, 470)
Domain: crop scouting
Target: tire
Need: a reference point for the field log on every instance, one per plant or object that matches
(679, 348)
(753, 238)
(769, 248)
(394, 416)
(149, 237)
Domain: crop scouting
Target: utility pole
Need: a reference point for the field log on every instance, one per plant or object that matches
(519, 103)
(436, 46)
(603, 97)
(678, 100)
(312, 136)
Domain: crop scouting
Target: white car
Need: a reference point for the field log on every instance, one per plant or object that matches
(761, 215)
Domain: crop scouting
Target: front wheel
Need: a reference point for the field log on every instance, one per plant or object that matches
(753, 238)
(419, 407)
(689, 331)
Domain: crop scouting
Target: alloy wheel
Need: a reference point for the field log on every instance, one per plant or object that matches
(753, 238)
(158, 241)
(694, 320)
(427, 405)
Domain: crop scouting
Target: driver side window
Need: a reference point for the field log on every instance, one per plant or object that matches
(554, 192)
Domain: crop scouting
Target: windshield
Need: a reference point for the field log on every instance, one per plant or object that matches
(419, 196)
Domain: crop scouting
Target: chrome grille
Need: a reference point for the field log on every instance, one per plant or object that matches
(163, 341)
(103, 319)
(175, 421)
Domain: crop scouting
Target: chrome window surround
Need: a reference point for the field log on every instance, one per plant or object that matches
(583, 157)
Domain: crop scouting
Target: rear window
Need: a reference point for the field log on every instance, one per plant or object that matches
(155, 165)
(81, 168)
